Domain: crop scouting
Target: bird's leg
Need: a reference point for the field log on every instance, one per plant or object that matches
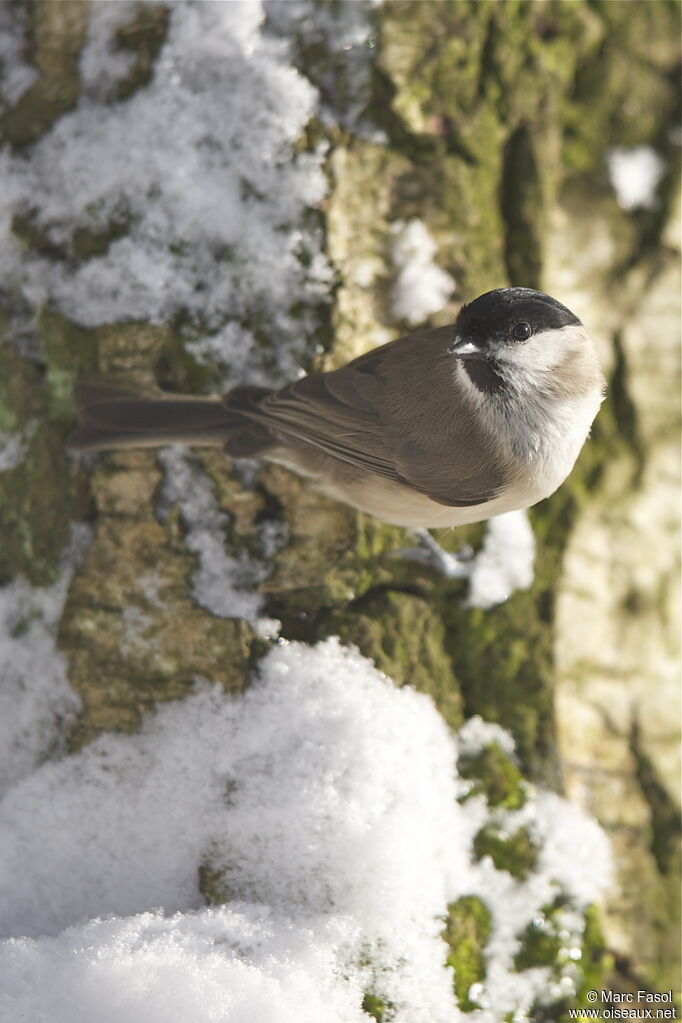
(430, 553)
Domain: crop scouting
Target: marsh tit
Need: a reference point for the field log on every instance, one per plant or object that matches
(439, 428)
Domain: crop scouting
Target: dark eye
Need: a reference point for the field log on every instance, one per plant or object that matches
(521, 331)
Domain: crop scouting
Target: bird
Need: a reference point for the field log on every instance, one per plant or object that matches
(440, 428)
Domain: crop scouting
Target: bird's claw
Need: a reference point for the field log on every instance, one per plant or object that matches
(431, 554)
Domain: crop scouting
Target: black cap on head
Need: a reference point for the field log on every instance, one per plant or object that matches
(492, 316)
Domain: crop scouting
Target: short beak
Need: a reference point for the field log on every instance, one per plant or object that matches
(465, 348)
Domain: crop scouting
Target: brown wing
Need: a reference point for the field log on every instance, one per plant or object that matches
(395, 412)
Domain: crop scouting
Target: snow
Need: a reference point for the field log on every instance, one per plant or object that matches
(342, 34)
(323, 819)
(191, 968)
(223, 583)
(17, 74)
(199, 166)
(13, 446)
(504, 563)
(574, 856)
(635, 174)
(475, 734)
(36, 702)
(324, 799)
(421, 287)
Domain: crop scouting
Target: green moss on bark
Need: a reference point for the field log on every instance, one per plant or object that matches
(516, 853)
(377, 1008)
(45, 491)
(467, 929)
(580, 960)
(404, 637)
(496, 776)
(595, 960)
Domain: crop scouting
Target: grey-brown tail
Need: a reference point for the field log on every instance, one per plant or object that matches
(114, 417)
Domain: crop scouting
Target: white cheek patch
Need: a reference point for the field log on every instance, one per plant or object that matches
(555, 389)
(543, 353)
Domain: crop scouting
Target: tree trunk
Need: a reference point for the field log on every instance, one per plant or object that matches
(492, 123)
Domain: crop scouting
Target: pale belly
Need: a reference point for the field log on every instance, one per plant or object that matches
(396, 504)
(400, 506)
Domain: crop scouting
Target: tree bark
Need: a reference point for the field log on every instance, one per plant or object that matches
(495, 121)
